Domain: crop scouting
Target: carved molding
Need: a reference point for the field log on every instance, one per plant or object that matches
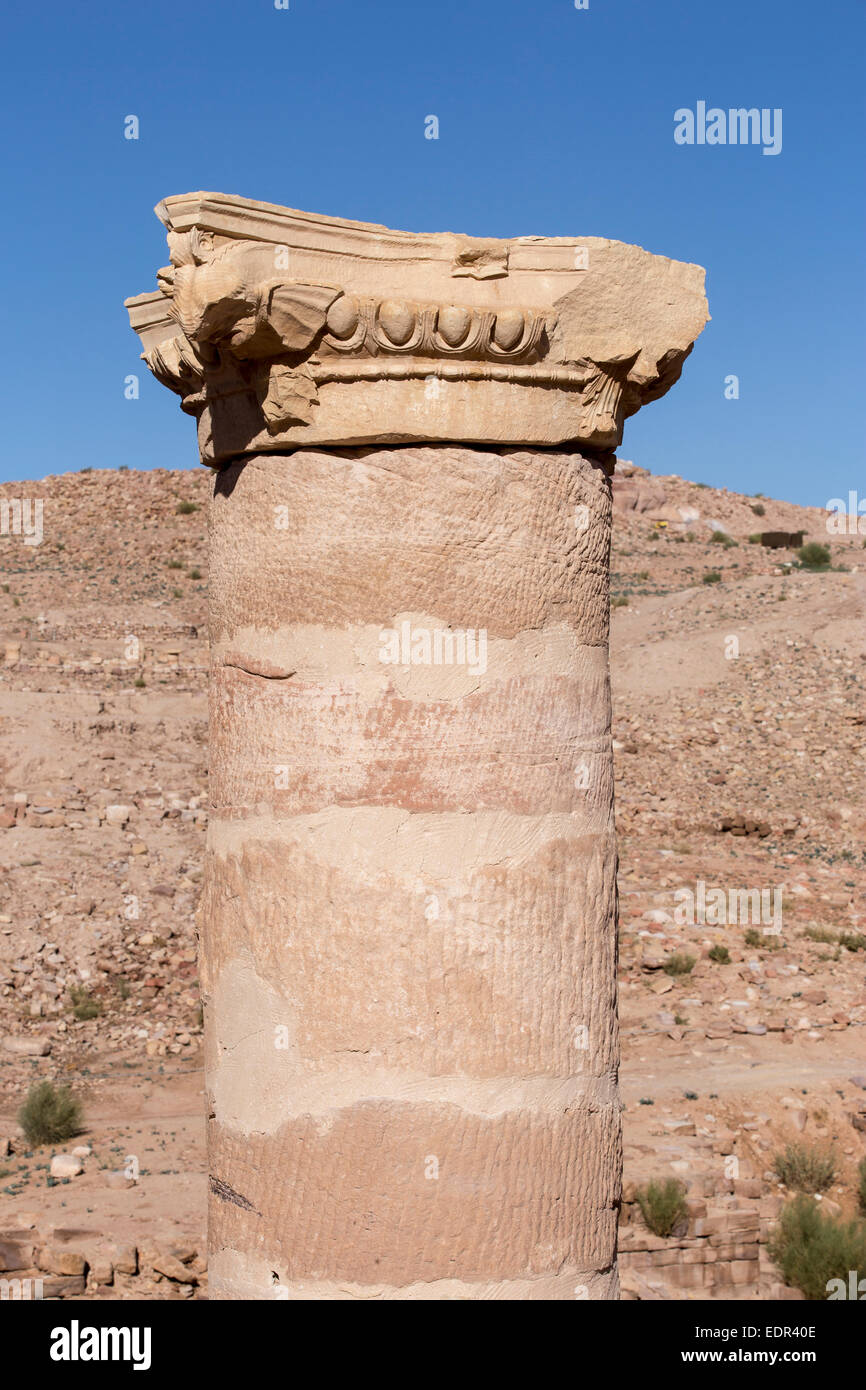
(433, 330)
(347, 333)
(225, 309)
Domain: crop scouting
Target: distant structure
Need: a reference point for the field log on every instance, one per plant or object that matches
(409, 920)
(782, 540)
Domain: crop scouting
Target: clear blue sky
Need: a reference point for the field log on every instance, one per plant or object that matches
(553, 121)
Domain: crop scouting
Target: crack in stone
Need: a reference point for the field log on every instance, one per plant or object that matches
(260, 675)
(227, 1194)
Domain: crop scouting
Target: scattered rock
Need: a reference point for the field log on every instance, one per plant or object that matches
(66, 1166)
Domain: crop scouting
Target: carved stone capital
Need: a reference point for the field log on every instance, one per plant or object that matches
(280, 328)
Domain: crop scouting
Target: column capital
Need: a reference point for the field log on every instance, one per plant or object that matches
(280, 328)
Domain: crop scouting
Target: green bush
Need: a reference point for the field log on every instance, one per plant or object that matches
(721, 955)
(852, 941)
(810, 1248)
(861, 1189)
(813, 556)
(804, 1168)
(49, 1116)
(722, 538)
(663, 1206)
(711, 577)
(758, 508)
(194, 574)
(755, 938)
(84, 1006)
(755, 538)
(679, 964)
(620, 601)
(184, 508)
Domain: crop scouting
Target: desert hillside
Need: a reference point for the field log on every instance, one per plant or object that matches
(740, 738)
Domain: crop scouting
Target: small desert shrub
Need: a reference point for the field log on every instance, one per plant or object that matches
(861, 1189)
(49, 1115)
(621, 601)
(176, 593)
(175, 565)
(721, 955)
(722, 538)
(822, 934)
(679, 964)
(764, 941)
(852, 941)
(814, 556)
(811, 1248)
(755, 538)
(804, 1168)
(758, 508)
(663, 1206)
(643, 574)
(185, 508)
(711, 577)
(194, 574)
(140, 682)
(84, 1006)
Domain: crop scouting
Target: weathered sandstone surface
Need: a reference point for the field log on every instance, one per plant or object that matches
(408, 923)
(281, 328)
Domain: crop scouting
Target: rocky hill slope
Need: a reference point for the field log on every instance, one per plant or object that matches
(740, 738)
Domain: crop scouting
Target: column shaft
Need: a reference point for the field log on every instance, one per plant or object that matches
(409, 920)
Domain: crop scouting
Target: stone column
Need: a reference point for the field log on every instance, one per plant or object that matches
(408, 926)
